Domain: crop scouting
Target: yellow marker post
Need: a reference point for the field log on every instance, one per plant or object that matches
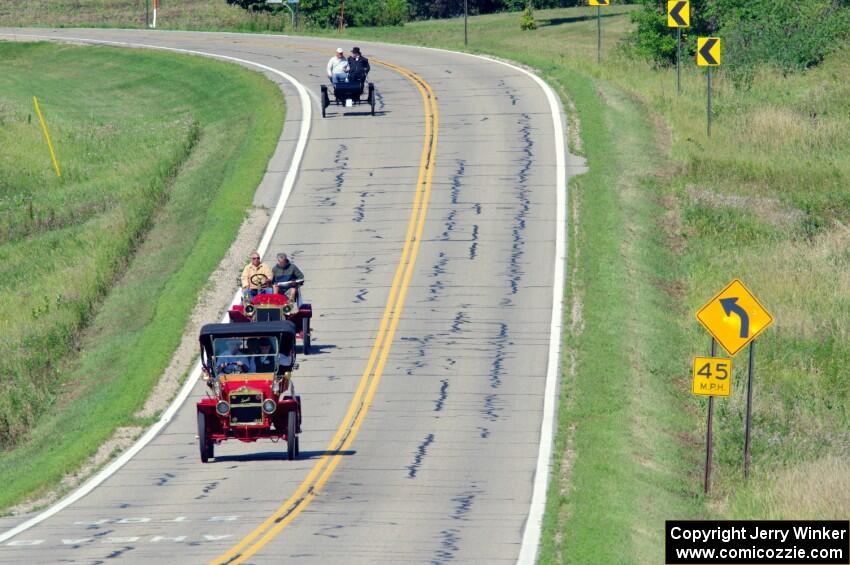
(47, 137)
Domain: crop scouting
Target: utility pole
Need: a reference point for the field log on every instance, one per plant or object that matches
(341, 15)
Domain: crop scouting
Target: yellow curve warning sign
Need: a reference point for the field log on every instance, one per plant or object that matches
(734, 317)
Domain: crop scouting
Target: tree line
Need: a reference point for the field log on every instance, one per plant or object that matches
(325, 13)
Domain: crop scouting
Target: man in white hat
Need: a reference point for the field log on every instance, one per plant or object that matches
(338, 67)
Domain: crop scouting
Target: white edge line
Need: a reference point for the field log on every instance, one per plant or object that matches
(534, 523)
(194, 375)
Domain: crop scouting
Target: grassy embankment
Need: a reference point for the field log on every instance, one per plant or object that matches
(172, 14)
(666, 217)
(160, 157)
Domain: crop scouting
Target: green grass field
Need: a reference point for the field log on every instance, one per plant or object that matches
(160, 157)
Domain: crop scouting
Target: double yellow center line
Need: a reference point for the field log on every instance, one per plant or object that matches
(371, 377)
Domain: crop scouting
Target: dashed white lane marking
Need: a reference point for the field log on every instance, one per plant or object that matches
(194, 375)
(120, 539)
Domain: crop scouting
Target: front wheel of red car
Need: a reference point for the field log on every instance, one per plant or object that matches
(291, 437)
(204, 443)
(305, 333)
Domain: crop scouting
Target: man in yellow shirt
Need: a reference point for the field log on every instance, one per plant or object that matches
(255, 267)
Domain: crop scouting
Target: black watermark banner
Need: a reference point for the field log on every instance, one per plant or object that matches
(757, 542)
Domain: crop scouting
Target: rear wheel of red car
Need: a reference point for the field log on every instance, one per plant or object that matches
(205, 445)
(291, 437)
(305, 329)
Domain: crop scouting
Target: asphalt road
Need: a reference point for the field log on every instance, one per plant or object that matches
(442, 465)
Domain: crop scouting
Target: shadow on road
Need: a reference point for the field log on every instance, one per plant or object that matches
(279, 455)
(319, 348)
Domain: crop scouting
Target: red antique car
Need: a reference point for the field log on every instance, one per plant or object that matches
(248, 369)
(270, 307)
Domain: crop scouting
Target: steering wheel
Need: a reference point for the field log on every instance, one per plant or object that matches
(259, 280)
(230, 367)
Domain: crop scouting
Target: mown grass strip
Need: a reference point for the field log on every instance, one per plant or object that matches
(234, 119)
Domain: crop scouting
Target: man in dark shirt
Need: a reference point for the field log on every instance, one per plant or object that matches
(358, 66)
(287, 277)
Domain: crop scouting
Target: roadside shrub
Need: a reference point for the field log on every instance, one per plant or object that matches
(790, 34)
(652, 39)
(526, 22)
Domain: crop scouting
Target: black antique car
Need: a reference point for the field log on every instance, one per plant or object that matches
(348, 94)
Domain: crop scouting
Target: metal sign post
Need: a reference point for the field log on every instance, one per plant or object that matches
(599, 3)
(708, 55)
(678, 60)
(707, 479)
(708, 103)
(748, 423)
(598, 34)
(678, 16)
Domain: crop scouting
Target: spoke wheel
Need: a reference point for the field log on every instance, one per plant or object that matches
(204, 443)
(291, 436)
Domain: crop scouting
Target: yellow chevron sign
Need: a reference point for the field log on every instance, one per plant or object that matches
(678, 13)
(598, 2)
(708, 51)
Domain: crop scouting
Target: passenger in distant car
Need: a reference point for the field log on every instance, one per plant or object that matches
(338, 67)
(358, 66)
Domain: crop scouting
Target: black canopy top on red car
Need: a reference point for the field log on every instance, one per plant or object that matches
(283, 330)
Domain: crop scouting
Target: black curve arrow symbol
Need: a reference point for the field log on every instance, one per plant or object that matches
(731, 305)
(705, 51)
(677, 16)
